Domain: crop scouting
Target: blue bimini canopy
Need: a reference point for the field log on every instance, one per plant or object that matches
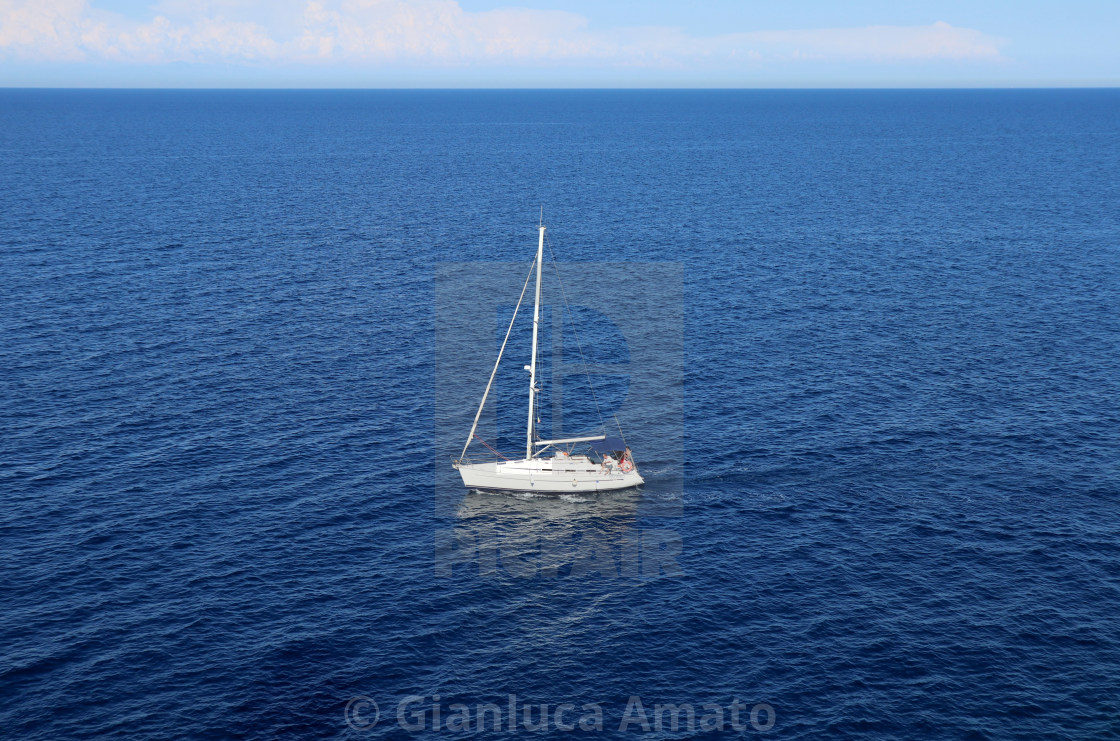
(609, 444)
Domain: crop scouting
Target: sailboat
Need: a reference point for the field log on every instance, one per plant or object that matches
(559, 466)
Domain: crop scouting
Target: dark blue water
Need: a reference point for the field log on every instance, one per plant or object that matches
(897, 511)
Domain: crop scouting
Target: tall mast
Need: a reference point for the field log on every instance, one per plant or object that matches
(533, 362)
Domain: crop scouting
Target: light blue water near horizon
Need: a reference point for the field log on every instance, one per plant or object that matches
(901, 383)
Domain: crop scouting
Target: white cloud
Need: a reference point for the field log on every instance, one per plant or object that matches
(433, 32)
(49, 30)
(937, 41)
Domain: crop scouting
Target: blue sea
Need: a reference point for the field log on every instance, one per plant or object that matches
(885, 503)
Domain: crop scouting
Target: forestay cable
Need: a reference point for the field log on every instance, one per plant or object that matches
(494, 372)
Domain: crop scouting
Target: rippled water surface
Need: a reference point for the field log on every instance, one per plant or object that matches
(895, 515)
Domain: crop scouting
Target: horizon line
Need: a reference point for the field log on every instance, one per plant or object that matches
(514, 88)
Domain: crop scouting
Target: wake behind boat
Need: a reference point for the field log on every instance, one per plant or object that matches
(560, 466)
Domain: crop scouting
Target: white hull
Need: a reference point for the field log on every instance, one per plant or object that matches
(547, 475)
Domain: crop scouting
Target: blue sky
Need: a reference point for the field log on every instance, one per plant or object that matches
(557, 43)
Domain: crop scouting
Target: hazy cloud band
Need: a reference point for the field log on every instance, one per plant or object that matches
(435, 33)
